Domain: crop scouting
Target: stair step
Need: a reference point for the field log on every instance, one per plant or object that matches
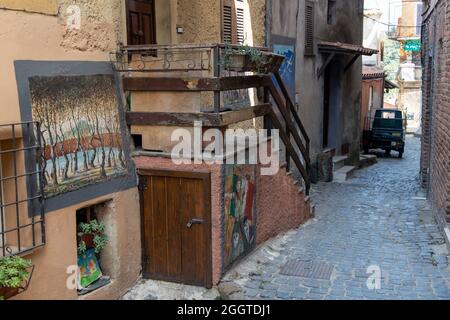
(343, 173)
(339, 162)
(366, 160)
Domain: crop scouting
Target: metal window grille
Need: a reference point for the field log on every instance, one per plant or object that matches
(22, 221)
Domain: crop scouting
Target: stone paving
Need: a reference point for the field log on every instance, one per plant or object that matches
(378, 221)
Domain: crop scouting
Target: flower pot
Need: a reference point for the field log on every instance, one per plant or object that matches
(8, 293)
(269, 63)
(237, 62)
(88, 240)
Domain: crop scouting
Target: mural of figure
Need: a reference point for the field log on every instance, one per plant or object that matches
(238, 245)
(239, 232)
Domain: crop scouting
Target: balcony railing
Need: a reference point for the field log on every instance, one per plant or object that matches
(22, 221)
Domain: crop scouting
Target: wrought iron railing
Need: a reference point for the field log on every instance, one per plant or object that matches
(22, 219)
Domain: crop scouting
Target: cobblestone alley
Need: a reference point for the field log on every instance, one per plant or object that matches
(379, 221)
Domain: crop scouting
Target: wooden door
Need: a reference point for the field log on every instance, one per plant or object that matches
(176, 221)
(141, 26)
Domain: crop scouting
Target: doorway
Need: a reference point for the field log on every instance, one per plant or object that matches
(332, 106)
(141, 23)
(176, 226)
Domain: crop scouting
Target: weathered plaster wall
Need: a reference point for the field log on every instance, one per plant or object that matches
(288, 19)
(280, 206)
(102, 25)
(258, 21)
(51, 262)
(143, 162)
(201, 21)
(46, 7)
(35, 36)
(29, 36)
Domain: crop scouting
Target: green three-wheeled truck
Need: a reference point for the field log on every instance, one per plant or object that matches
(386, 130)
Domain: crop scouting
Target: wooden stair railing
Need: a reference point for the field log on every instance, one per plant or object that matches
(289, 125)
(286, 108)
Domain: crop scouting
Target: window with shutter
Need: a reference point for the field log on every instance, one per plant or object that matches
(240, 29)
(227, 24)
(309, 28)
(233, 22)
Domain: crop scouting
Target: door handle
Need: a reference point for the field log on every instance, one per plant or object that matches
(138, 33)
(194, 221)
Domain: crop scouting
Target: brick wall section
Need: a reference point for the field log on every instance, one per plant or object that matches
(280, 206)
(435, 162)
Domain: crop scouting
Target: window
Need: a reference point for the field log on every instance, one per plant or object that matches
(331, 12)
(21, 196)
(93, 264)
(309, 28)
(233, 22)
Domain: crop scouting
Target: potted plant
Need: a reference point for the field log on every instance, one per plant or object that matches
(92, 236)
(14, 271)
(249, 59)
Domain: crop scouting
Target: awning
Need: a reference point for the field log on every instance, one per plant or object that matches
(345, 48)
(373, 72)
(334, 48)
(388, 84)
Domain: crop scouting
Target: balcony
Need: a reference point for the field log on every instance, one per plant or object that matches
(217, 84)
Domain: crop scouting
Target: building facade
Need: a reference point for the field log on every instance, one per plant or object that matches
(324, 39)
(435, 168)
(92, 95)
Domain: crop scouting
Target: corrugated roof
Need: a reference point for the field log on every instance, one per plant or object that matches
(345, 48)
(370, 72)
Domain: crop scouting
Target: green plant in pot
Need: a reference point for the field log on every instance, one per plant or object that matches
(246, 58)
(92, 236)
(14, 271)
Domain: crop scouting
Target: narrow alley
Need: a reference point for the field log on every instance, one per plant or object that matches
(379, 221)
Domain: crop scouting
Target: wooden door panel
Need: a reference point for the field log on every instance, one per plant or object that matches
(141, 22)
(174, 266)
(172, 250)
(159, 225)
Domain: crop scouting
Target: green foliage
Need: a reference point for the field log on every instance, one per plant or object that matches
(82, 248)
(391, 58)
(255, 56)
(13, 271)
(98, 231)
(391, 62)
(100, 242)
(93, 227)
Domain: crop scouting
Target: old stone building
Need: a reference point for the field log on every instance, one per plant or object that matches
(435, 166)
(92, 91)
(324, 40)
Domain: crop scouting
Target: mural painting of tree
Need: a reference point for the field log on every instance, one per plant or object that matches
(80, 126)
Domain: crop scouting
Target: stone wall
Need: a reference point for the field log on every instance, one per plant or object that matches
(435, 165)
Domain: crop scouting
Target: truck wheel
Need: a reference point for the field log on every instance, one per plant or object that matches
(387, 152)
(400, 154)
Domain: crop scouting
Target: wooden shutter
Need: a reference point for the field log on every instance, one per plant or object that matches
(233, 22)
(227, 24)
(309, 28)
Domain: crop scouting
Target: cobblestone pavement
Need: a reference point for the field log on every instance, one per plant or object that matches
(378, 220)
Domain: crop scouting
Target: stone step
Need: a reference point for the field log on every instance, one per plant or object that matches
(367, 160)
(339, 162)
(343, 174)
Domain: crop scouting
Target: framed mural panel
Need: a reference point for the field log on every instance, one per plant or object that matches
(81, 115)
(239, 212)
